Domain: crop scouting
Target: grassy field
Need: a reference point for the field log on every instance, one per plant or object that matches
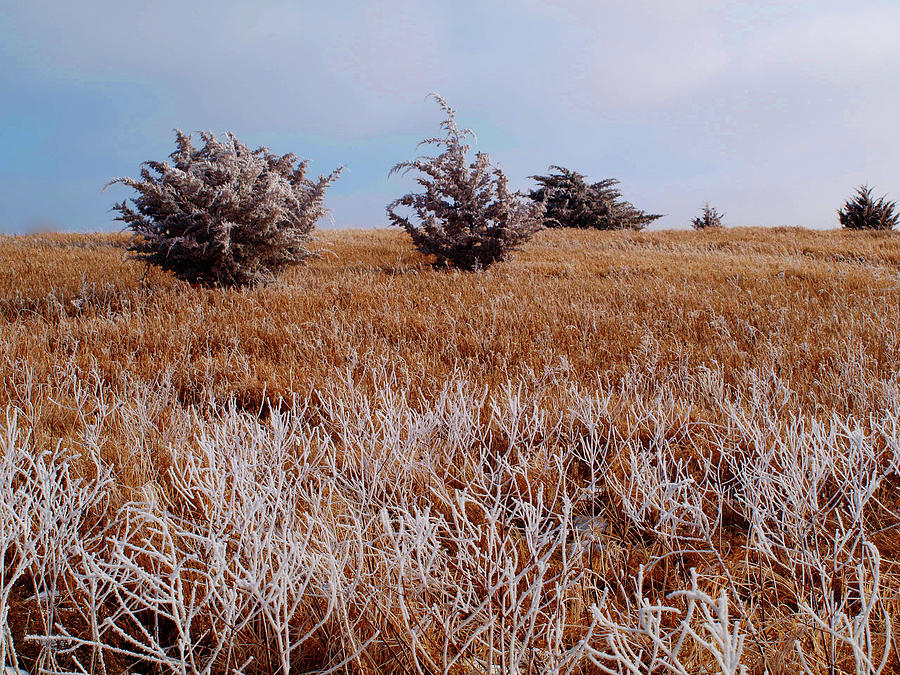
(666, 452)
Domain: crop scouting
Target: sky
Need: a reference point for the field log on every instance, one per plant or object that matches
(773, 112)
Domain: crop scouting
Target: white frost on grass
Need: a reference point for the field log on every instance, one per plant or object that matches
(465, 533)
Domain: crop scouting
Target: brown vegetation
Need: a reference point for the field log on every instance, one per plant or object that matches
(800, 304)
(712, 348)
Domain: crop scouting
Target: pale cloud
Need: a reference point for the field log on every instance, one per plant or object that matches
(394, 48)
(326, 67)
(644, 52)
(841, 43)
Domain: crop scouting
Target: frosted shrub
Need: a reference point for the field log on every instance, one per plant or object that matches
(863, 212)
(573, 202)
(223, 215)
(467, 217)
(709, 218)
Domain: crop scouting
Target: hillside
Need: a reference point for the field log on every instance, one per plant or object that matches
(377, 466)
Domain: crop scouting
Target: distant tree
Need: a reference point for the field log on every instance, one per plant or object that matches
(573, 202)
(864, 213)
(467, 217)
(223, 215)
(708, 218)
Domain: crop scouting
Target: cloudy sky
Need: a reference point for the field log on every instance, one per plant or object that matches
(772, 111)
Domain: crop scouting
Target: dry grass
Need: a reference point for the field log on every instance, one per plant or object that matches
(665, 388)
(801, 304)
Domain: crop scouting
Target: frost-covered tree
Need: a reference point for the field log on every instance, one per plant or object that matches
(709, 218)
(863, 212)
(223, 215)
(573, 202)
(466, 217)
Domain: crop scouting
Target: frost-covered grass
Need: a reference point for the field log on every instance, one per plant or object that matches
(462, 534)
(396, 512)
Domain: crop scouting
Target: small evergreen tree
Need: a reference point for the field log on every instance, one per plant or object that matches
(466, 218)
(708, 218)
(864, 213)
(223, 215)
(573, 202)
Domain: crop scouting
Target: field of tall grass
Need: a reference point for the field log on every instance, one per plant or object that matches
(619, 452)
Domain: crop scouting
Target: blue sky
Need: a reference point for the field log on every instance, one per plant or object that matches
(772, 111)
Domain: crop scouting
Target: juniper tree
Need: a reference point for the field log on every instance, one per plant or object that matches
(223, 215)
(573, 202)
(708, 218)
(865, 213)
(467, 217)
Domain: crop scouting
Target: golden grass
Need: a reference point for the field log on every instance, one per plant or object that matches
(595, 305)
(806, 322)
